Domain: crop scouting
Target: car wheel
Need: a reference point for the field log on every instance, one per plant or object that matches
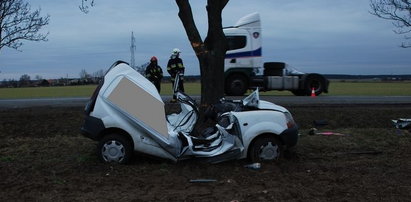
(115, 148)
(265, 149)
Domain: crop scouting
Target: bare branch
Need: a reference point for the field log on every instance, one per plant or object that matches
(18, 23)
(397, 11)
(84, 5)
(186, 16)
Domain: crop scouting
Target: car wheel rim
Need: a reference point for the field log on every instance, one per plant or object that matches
(269, 152)
(113, 151)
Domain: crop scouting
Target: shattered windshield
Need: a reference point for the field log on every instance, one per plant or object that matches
(252, 100)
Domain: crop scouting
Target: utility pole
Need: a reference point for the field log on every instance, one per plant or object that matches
(132, 50)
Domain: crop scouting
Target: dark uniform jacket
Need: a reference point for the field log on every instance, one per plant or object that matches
(154, 72)
(175, 66)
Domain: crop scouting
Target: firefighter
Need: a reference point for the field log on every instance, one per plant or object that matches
(154, 73)
(175, 67)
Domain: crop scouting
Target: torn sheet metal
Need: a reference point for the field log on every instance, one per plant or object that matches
(402, 123)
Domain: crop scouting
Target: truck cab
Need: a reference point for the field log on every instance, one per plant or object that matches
(244, 68)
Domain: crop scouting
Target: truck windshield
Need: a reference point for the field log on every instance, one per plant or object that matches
(236, 42)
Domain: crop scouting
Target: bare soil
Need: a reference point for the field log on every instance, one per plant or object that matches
(43, 157)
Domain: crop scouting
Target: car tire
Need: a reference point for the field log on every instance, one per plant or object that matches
(266, 148)
(115, 148)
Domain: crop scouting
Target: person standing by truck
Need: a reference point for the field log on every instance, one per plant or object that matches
(154, 73)
(175, 67)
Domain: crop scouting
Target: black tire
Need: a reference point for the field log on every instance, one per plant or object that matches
(236, 85)
(266, 148)
(115, 148)
(315, 81)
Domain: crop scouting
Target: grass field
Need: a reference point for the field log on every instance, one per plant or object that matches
(336, 88)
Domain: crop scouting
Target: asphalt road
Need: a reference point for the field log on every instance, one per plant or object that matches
(281, 100)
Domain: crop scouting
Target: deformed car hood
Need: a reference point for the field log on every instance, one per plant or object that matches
(253, 100)
(270, 106)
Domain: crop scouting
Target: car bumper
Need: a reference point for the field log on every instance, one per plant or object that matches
(290, 136)
(92, 127)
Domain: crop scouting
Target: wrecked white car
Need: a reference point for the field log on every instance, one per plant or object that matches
(126, 115)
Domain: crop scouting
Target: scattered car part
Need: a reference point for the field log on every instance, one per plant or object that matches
(320, 123)
(402, 123)
(202, 180)
(253, 166)
(313, 131)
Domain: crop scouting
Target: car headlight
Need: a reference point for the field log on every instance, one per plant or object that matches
(289, 119)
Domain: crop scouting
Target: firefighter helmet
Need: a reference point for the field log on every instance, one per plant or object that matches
(176, 51)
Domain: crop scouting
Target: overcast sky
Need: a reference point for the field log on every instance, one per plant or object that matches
(323, 36)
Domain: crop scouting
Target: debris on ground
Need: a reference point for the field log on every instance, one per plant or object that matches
(320, 123)
(313, 131)
(402, 123)
(202, 180)
(253, 166)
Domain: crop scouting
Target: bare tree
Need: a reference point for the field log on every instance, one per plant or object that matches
(210, 52)
(24, 80)
(399, 12)
(98, 74)
(83, 74)
(19, 23)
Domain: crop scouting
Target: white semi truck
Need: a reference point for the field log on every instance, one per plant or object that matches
(244, 68)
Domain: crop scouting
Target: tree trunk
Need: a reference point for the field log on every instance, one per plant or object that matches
(210, 53)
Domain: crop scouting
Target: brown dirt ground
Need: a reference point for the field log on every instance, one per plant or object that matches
(43, 157)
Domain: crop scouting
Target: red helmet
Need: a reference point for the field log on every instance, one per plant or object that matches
(153, 59)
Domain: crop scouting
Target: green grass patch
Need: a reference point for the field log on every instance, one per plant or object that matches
(47, 92)
(370, 88)
(194, 88)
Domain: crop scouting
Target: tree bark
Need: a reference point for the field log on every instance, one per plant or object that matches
(211, 52)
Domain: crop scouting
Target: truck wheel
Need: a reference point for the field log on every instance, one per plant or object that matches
(314, 81)
(115, 148)
(266, 148)
(236, 85)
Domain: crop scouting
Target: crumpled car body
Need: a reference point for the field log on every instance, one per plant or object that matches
(126, 114)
